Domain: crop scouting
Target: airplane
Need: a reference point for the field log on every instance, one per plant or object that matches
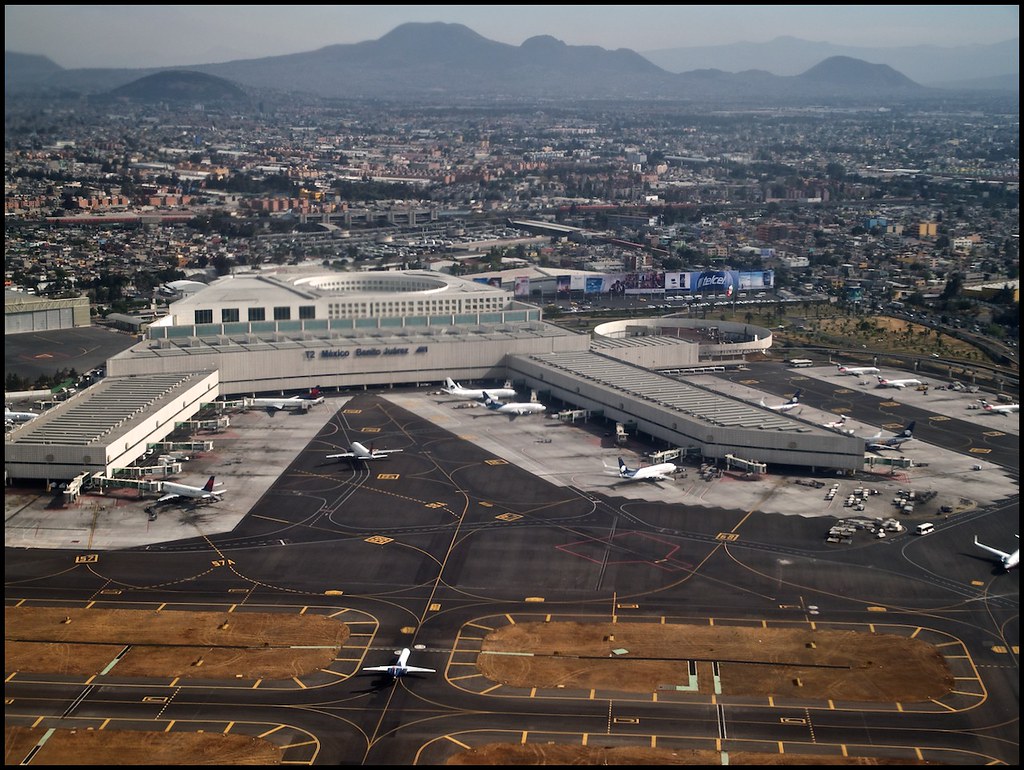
(360, 452)
(401, 667)
(1007, 560)
(857, 370)
(900, 384)
(11, 416)
(999, 408)
(876, 443)
(839, 425)
(794, 401)
(512, 409)
(453, 388)
(174, 491)
(301, 402)
(658, 472)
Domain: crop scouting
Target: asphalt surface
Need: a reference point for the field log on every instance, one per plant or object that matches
(480, 521)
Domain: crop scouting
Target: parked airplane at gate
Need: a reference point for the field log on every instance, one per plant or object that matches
(175, 491)
(794, 401)
(512, 409)
(11, 416)
(453, 388)
(301, 402)
(876, 443)
(360, 452)
(857, 370)
(884, 383)
(999, 408)
(1008, 561)
(658, 472)
(401, 667)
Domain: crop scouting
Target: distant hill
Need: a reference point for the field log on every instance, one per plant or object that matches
(955, 66)
(439, 61)
(179, 86)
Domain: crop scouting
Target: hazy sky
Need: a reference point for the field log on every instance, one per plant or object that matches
(76, 36)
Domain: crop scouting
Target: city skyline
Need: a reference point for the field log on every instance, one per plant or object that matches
(179, 35)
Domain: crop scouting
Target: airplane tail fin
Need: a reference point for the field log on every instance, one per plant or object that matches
(909, 430)
(623, 468)
(796, 396)
(208, 486)
(449, 383)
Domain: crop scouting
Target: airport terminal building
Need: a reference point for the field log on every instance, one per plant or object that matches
(286, 332)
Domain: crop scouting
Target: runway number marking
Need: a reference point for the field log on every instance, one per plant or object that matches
(370, 430)
(979, 450)
(351, 411)
(89, 558)
(387, 476)
(728, 537)
(498, 461)
(509, 516)
(379, 540)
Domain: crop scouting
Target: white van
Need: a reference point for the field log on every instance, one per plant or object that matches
(924, 529)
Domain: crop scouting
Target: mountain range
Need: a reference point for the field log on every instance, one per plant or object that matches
(970, 66)
(444, 62)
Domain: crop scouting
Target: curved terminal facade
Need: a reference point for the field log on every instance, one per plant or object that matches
(259, 333)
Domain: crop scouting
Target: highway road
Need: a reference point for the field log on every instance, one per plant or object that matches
(480, 522)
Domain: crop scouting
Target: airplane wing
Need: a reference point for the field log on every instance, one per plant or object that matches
(165, 498)
(377, 668)
(991, 550)
(342, 454)
(419, 670)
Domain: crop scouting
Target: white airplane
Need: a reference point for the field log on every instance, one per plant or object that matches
(512, 409)
(1007, 560)
(301, 402)
(876, 443)
(999, 408)
(658, 472)
(11, 416)
(901, 384)
(793, 402)
(401, 667)
(360, 452)
(857, 370)
(175, 491)
(453, 388)
(839, 425)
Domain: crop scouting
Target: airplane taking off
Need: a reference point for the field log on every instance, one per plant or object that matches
(1007, 560)
(13, 417)
(174, 491)
(401, 667)
(901, 384)
(794, 401)
(512, 409)
(999, 408)
(301, 402)
(360, 452)
(857, 370)
(453, 388)
(876, 443)
(659, 472)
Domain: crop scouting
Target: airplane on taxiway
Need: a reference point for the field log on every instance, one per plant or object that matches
(900, 384)
(360, 452)
(453, 388)
(174, 491)
(512, 409)
(1007, 560)
(401, 667)
(657, 472)
(857, 370)
(793, 402)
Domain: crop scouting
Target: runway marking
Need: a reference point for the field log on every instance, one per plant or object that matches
(979, 450)
(388, 476)
(379, 540)
(89, 558)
